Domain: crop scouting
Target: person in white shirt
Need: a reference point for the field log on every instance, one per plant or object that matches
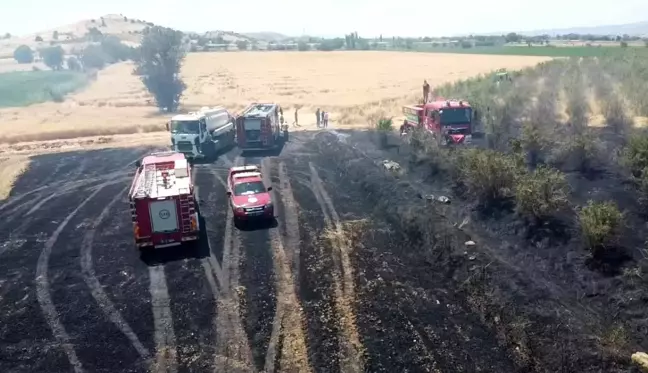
(326, 118)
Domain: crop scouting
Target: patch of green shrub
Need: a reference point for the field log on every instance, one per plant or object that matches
(600, 223)
(541, 193)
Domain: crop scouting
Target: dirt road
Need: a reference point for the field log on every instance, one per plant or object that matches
(328, 289)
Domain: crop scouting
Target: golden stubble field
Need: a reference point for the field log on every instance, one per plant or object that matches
(352, 86)
(116, 110)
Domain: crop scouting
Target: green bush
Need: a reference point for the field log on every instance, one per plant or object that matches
(487, 175)
(385, 124)
(600, 223)
(94, 57)
(541, 193)
(23, 54)
(117, 50)
(532, 141)
(53, 57)
(635, 155)
(73, 64)
(242, 45)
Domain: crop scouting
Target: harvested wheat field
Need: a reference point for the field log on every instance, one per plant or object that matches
(350, 85)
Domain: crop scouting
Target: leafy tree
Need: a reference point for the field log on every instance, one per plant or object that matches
(73, 64)
(103, 22)
(331, 44)
(303, 46)
(114, 48)
(513, 38)
(161, 55)
(94, 57)
(23, 54)
(242, 45)
(53, 57)
(8, 36)
(38, 38)
(202, 41)
(55, 35)
(94, 34)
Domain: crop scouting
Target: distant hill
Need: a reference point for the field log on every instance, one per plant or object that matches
(228, 36)
(266, 36)
(128, 30)
(632, 29)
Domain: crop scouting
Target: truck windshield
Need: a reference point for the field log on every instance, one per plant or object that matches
(185, 126)
(253, 187)
(455, 116)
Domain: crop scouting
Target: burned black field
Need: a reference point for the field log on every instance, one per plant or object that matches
(361, 273)
(330, 289)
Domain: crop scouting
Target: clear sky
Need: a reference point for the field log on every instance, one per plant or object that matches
(332, 17)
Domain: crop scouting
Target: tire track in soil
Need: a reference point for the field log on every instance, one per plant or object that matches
(24, 335)
(233, 351)
(193, 298)
(287, 345)
(316, 283)
(166, 354)
(407, 306)
(351, 348)
(82, 316)
(257, 285)
(43, 291)
(91, 280)
(63, 185)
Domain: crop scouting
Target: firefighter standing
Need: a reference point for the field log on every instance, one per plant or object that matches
(426, 91)
(318, 114)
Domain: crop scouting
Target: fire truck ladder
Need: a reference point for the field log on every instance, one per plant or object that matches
(187, 209)
(146, 186)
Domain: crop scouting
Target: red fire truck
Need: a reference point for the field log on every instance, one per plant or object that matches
(449, 120)
(162, 201)
(258, 127)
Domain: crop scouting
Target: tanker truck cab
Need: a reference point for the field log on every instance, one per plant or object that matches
(202, 133)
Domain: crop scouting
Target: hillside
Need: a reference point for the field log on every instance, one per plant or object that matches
(72, 35)
(634, 29)
(227, 36)
(266, 36)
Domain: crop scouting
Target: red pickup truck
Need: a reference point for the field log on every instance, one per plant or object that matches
(249, 197)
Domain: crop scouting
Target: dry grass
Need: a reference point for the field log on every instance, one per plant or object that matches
(350, 85)
(10, 169)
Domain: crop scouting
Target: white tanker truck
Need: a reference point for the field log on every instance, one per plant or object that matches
(201, 134)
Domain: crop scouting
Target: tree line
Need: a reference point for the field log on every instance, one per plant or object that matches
(157, 60)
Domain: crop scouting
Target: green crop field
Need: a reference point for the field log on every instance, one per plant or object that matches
(31, 87)
(543, 51)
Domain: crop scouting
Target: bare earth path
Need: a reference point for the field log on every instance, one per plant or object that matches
(301, 296)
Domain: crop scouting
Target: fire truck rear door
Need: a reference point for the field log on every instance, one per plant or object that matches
(164, 216)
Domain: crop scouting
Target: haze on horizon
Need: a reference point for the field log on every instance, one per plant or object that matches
(331, 18)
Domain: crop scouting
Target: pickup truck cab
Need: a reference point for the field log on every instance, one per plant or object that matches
(250, 198)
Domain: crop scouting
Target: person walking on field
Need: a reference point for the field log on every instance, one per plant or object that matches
(318, 114)
(296, 117)
(426, 91)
